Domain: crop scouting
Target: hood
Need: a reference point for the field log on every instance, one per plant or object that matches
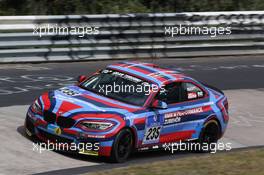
(73, 99)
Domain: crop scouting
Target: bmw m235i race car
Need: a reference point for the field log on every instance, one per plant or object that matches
(129, 106)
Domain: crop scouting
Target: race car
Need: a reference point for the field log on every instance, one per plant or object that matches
(127, 107)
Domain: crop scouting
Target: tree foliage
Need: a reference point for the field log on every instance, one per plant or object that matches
(63, 7)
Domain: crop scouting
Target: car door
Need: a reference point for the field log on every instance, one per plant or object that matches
(181, 120)
(154, 121)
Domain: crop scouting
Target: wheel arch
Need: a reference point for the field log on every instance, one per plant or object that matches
(134, 135)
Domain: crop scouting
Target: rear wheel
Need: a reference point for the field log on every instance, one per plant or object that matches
(122, 146)
(209, 136)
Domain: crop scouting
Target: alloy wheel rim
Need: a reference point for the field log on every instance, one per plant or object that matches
(124, 145)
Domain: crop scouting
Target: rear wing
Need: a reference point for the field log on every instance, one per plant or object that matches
(214, 88)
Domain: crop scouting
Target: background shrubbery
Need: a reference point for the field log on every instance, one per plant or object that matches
(61, 7)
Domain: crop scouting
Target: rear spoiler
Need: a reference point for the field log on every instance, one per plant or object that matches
(214, 88)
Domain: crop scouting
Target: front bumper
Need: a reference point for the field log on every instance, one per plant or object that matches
(66, 140)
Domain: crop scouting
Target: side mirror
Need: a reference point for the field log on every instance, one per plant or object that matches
(159, 104)
(81, 78)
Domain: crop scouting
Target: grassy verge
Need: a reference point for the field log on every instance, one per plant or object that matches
(243, 162)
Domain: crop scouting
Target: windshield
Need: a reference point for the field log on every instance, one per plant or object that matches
(118, 86)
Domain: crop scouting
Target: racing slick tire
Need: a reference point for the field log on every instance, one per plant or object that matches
(122, 146)
(209, 136)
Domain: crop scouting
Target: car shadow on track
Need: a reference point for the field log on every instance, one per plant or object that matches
(135, 159)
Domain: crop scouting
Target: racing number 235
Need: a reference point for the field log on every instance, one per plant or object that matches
(153, 133)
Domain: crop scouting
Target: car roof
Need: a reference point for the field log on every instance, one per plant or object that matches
(148, 71)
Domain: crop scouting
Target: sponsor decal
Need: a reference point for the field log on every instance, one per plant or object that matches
(91, 136)
(88, 152)
(155, 147)
(122, 75)
(54, 129)
(191, 88)
(184, 112)
(175, 117)
(172, 120)
(143, 149)
(200, 94)
(57, 131)
(192, 95)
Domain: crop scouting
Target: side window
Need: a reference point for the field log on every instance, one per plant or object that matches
(171, 93)
(192, 92)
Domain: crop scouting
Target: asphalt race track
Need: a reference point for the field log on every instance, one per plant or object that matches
(20, 84)
(241, 78)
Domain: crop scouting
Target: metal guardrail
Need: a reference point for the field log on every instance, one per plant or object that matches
(127, 36)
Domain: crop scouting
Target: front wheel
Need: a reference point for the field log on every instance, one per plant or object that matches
(122, 146)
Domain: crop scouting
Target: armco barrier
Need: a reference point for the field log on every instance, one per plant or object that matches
(127, 36)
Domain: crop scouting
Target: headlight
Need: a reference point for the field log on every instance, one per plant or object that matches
(36, 107)
(94, 125)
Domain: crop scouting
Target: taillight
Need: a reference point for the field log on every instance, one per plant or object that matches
(226, 105)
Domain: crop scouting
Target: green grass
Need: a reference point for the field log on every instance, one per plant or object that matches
(243, 162)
